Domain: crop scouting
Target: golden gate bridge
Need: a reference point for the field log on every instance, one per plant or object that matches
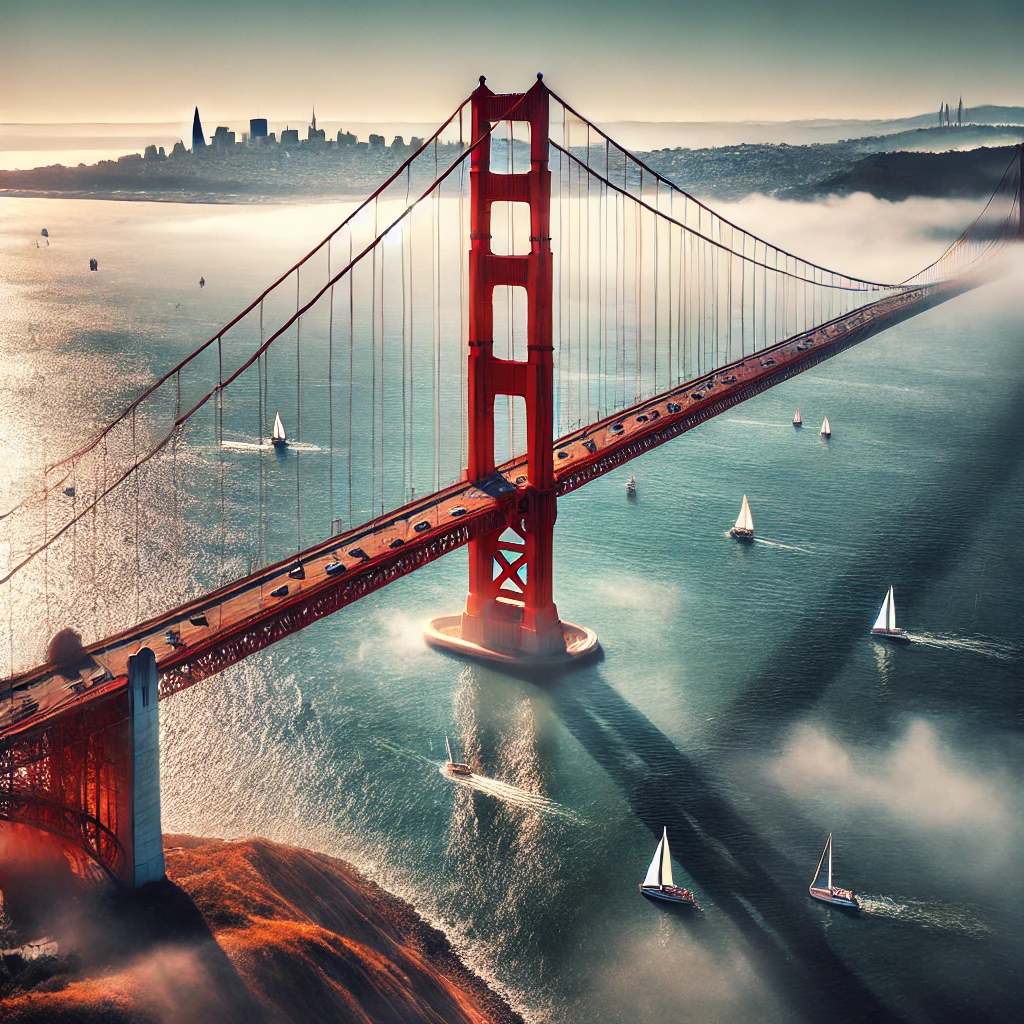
(434, 401)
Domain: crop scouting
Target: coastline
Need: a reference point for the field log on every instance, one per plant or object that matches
(250, 931)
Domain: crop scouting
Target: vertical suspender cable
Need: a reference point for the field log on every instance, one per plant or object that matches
(351, 372)
(383, 343)
(330, 395)
(373, 367)
(218, 431)
(586, 302)
(298, 417)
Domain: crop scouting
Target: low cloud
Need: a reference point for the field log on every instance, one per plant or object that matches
(919, 780)
(402, 636)
(665, 975)
(658, 599)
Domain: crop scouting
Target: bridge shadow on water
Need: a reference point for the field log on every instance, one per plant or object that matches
(762, 892)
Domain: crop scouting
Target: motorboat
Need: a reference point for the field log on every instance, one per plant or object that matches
(658, 883)
(885, 625)
(455, 767)
(823, 889)
(278, 438)
(744, 528)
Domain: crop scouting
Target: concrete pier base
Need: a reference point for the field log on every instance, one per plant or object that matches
(445, 633)
(147, 841)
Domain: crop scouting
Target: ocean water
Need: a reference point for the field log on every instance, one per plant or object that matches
(739, 701)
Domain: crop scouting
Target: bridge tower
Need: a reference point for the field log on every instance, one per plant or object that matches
(510, 613)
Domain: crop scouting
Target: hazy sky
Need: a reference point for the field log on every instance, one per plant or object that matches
(132, 60)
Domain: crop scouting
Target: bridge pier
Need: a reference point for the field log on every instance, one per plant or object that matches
(145, 844)
(510, 614)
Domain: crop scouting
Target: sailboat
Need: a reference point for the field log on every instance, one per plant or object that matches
(658, 883)
(823, 889)
(278, 438)
(631, 485)
(826, 429)
(798, 419)
(455, 767)
(744, 528)
(885, 625)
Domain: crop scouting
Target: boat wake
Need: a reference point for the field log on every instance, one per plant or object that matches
(925, 914)
(503, 791)
(985, 646)
(510, 794)
(784, 547)
(246, 446)
(250, 446)
(758, 423)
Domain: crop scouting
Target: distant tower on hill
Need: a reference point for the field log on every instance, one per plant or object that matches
(198, 140)
(960, 114)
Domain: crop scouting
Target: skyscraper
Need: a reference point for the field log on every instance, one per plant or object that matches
(315, 134)
(198, 141)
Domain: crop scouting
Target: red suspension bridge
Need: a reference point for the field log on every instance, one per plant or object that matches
(433, 402)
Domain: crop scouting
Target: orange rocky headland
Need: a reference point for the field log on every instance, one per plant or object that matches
(247, 931)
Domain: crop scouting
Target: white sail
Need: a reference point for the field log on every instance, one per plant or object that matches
(448, 747)
(882, 622)
(745, 521)
(653, 876)
(797, 420)
(826, 428)
(666, 860)
(891, 621)
(279, 434)
(823, 872)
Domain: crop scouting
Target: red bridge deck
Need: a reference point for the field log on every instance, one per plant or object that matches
(198, 639)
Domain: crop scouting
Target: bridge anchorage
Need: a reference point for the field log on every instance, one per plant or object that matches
(510, 615)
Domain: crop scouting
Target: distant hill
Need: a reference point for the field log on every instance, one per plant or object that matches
(895, 176)
(994, 115)
(649, 135)
(941, 140)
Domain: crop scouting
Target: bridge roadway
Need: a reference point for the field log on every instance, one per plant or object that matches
(205, 636)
